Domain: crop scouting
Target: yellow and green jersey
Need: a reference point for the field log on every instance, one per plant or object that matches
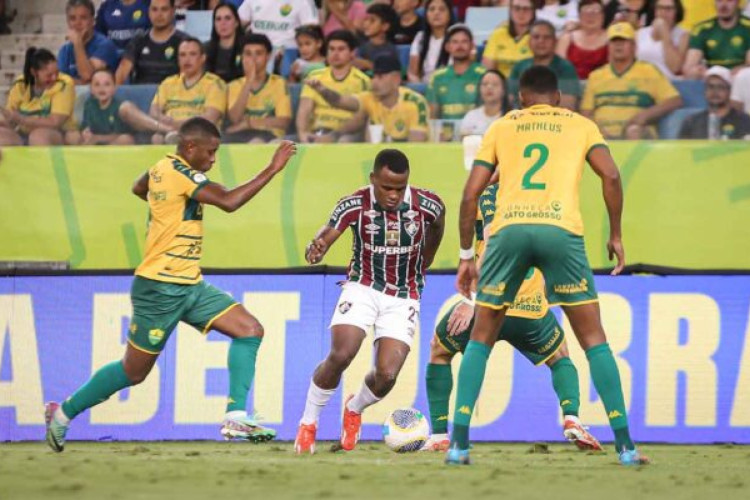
(325, 116)
(722, 47)
(179, 101)
(59, 99)
(615, 98)
(530, 301)
(271, 100)
(174, 241)
(540, 153)
(505, 49)
(455, 94)
(410, 113)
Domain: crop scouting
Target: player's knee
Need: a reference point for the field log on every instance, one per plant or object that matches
(136, 376)
(386, 377)
(340, 358)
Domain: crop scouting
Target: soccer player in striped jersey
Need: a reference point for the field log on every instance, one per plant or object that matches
(397, 230)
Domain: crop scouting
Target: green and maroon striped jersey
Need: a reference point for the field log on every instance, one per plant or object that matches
(387, 251)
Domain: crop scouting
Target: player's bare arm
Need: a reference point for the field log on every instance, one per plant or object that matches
(320, 244)
(466, 278)
(345, 102)
(230, 200)
(140, 187)
(433, 238)
(604, 166)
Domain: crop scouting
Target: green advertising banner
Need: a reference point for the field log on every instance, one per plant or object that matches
(687, 204)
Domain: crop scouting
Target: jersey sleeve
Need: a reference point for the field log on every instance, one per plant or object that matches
(308, 14)
(431, 95)
(186, 181)
(431, 205)
(245, 11)
(487, 155)
(133, 48)
(283, 101)
(345, 213)
(594, 137)
(15, 97)
(106, 51)
(62, 102)
(697, 38)
(490, 50)
(64, 61)
(216, 97)
(419, 121)
(233, 92)
(587, 102)
(160, 97)
(366, 101)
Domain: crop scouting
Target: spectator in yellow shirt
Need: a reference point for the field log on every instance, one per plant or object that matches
(509, 43)
(627, 97)
(39, 110)
(194, 92)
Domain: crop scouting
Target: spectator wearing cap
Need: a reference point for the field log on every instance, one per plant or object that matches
(542, 44)
(720, 120)
(627, 97)
(379, 26)
(662, 42)
(318, 121)
(402, 112)
(741, 90)
(277, 20)
(151, 57)
(720, 41)
(509, 43)
(452, 90)
(86, 50)
(122, 20)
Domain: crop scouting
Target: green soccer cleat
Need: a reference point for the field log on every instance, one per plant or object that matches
(55, 430)
(246, 428)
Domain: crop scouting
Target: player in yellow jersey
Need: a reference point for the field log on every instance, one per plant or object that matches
(168, 286)
(539, 152)
(530, 328)
(193, 92)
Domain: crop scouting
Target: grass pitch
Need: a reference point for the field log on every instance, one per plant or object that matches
(199, 470)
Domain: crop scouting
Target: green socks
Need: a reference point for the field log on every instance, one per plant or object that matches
(606, 378)
(241, 363)
(106, 381)
(565, 382)
(470, 378)
(439, 386)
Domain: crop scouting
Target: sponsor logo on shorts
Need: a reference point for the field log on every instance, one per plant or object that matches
(155, 336)
(580, 287)
(497, 290)
(464, 410)
(546, 347)
(344, 307)
(614, 414)
(133, 328)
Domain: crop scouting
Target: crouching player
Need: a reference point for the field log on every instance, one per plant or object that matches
(530, 328)
(397, 230)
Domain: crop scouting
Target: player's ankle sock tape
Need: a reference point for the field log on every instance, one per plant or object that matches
(606, 379)
(470, 378)
(106, 381)
(439, 381)
(241, 364)
(565, 382)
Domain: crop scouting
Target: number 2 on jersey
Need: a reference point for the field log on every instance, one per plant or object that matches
(538, 164)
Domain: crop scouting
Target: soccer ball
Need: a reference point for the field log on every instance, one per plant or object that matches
(405, 429)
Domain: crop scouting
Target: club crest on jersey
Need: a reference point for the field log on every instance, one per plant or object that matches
(372, 214)
(344, 307)
(411, 214)
(411, 228)
(391, 238)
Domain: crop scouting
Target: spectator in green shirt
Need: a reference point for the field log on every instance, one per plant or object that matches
(452, 90)
(542, 43)
(720, 41)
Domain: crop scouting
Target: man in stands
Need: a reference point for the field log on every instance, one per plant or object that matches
(277, 20)
(122, 20)
(720, 120)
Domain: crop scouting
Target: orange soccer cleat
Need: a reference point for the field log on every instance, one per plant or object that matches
(350, 427)
(578, 435)
(305, 442)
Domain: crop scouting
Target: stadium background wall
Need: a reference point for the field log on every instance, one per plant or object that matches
(682, 344)
(687, 204)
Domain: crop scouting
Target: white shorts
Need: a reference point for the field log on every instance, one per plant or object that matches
(364, 307)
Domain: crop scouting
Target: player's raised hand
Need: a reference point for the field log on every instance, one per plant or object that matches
(283, 153)
(460, 318)
(315, 251)
(466, 278)
(615, 249)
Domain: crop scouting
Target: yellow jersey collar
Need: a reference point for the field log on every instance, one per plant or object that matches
(179, 158)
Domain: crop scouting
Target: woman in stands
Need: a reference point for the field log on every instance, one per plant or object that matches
(39, 110)
(342, 15)
(224, 50)
(586, 47)
(509, 43)
(494, 103)
(427, 51)
(661, 42)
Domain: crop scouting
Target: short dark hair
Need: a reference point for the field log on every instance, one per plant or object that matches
(343, 36)
(192, 39)
(546, 24)
(386, 14)
(392, 159)
(539, 80)
(258, 39)
(198, 125)
(88, 4)
(679, 12)
(458, 28)
(584, 3)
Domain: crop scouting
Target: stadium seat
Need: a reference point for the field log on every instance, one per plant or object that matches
(290, 55)
(480, 52)
(198, 24)
(669, 126)
(482, 21)
(692, 92)
(418, 87)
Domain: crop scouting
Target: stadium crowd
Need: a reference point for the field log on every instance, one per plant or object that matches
(131, 71)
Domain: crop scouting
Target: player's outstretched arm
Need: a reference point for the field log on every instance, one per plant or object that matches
(604, 166)
(230, 200)
(319, 246)
(140, 187)
(466, 278)
(433, 238)
(345, 102)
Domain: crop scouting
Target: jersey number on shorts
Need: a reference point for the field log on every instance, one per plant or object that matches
(413, 315)
(538, 164)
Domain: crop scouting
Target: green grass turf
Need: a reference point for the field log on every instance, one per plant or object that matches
(187, 470)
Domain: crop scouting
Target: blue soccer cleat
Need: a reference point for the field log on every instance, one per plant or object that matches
(630, 458)
(456, 456)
